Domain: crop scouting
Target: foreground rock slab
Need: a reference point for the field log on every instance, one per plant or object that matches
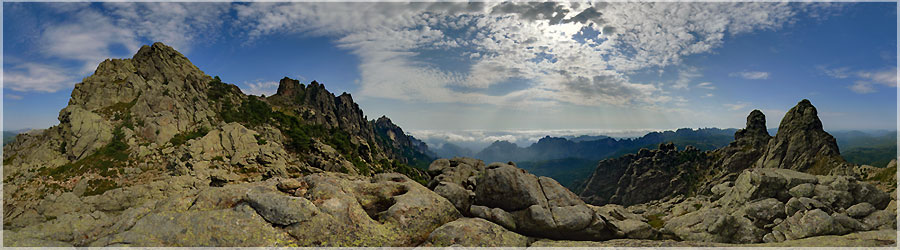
(880, 238)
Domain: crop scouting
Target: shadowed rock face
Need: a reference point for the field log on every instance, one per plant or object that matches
(801, 143)
(755, 133)
(645, 176)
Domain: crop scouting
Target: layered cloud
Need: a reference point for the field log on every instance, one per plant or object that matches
(863, 81)
(751, 75)
(555, 53)
(565, 53)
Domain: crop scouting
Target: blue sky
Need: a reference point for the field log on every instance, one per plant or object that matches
(461, 72)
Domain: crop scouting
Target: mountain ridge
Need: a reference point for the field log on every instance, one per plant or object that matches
(124, 123)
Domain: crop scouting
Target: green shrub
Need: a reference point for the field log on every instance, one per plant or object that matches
(655, 221)
(885, 175)
(218, 89)
(259, 140)
(252, 112)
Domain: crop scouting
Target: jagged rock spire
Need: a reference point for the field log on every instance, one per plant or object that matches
(801, 143)
(288, 87)
(754, 134)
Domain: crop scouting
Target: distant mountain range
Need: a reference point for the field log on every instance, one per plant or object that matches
(589, 147)
(570, 158)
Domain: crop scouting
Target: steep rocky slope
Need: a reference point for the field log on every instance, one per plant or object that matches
(156, 115)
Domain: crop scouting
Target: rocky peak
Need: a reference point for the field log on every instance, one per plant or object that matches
(289, 87)
(153, 96)
(801, 144)
(801, 117)
(158, 52)
(755, 134)
(756, 123)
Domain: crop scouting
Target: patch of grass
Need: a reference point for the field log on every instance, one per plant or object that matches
(106, 161)
(823, 165)
(697, 206)
(10, 159)
(120, 112)
(361, 166)
(218, 158)
(655, 220)
(260, 140)
(99, 186)
(885, 175)
(183, 137)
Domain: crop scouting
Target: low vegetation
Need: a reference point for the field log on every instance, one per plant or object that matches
(99, 186)
(106, 161)
(885, 175)
(183, 137)
(655, 221)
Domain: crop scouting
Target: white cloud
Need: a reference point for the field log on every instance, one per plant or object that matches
(886, 77)
(85, 36)
(88, 38)
(542, 45)
(26, 77)
(708, 95)
(175, 24)
(531, 41)
(862, 87)
(751, 75)
(12, 97)
(736, 106)
(864, 79)
(840, 73)
(706, 85)
(261, 88)
(685, 77)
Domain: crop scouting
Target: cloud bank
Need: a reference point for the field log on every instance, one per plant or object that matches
(561, 53)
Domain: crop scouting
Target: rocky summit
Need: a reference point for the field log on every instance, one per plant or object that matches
(152, 152)
(801, 143)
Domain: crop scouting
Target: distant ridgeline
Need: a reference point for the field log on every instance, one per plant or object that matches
(568, 160)
(571, 160)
